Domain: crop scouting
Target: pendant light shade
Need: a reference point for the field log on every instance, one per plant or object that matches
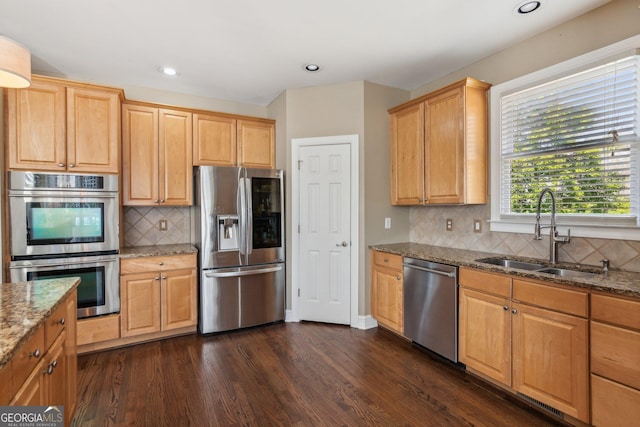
(15, 64)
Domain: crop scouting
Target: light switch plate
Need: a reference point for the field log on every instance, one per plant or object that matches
(387, 223)
(477, 226)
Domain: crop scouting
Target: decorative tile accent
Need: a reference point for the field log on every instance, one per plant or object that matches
(427, 226)
(141, 225)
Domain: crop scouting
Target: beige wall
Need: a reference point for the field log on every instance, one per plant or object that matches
(615, 21)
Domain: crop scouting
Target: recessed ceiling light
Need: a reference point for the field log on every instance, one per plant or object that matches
(528, 7)
(168, 71)
(312, 67)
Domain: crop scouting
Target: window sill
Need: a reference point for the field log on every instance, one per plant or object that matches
(599, 231)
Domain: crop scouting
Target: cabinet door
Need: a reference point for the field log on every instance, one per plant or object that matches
(407, 156)
(36, 133)
(550, 359)
(139, 155)
(175, 158)
(140, 299)
(444, 148)
(54, 370)
(214, 140)
(484, 335)
(386, 298)
(33, 391)
(179, 300)
(256, 144)
(93, 131)
(5, 379)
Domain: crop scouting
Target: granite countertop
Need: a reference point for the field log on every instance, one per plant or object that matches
(615, 281)
(24, 306)
(157, 250)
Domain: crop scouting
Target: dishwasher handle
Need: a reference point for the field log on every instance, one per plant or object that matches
(430, 270)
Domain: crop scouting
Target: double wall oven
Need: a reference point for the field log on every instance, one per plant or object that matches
(67, 225)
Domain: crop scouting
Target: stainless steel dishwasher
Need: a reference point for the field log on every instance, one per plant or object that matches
(431, 306)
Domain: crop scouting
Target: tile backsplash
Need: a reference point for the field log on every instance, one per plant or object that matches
(428, 227)
(142, 225)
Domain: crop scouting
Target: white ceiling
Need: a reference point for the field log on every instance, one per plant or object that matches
(252, 50)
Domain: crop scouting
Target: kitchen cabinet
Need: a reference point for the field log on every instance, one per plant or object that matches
(615, 360)
(157, 156)
(58, 125)
(548, 342)
(439, 147)
(387, 290)
(158, 294)
(44, 370)
(221, 140)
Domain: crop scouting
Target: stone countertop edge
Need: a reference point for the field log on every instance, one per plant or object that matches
(25, 306)
(158, 250)
(619, 282)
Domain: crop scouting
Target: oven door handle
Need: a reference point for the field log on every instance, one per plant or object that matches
(22, 264)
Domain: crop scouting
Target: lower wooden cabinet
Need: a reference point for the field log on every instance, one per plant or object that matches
(531, 337)
(387, 290)
(44, 370)
(615, 360)
(158, 294)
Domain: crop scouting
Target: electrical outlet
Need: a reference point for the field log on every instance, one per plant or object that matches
(449, 224)
(163, 225)
(477, 226)
(387, 223)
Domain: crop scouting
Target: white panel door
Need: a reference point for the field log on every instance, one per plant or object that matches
(325, 230)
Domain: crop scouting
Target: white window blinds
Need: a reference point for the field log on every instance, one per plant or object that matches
(577, 135)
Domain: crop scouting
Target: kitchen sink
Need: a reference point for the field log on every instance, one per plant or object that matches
(565, 272)
(511, 263)
(538, 268)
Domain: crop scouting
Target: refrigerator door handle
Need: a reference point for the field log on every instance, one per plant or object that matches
(249, 206)
(242, 213)
(238, 273)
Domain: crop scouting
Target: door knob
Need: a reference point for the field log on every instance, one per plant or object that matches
(343, 244)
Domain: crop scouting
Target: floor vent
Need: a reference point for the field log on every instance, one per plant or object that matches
(543, 406)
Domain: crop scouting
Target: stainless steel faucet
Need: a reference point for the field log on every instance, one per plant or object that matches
(554, 239)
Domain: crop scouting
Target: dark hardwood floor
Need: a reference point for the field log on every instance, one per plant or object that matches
(294, 374)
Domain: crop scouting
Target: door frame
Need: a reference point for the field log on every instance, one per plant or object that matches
(296, 143)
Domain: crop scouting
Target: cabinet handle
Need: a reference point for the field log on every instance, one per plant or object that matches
(35, 354)
(386, 260)
(49, 370)
(61, 321)
(161, 200)
(505, 308)
(71, 165)
(514, 311)
(54, 363)
(161, 263)
(164, 277)
(60, 165)
(398, 277)
(158, 278)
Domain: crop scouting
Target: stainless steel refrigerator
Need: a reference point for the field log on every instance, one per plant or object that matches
(238, 227)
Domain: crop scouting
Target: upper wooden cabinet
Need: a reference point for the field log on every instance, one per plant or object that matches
(58, 125)
(220, 140)
(157, 156)
(439, 147)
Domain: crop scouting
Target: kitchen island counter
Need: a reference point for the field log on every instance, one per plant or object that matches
(25, 306)
(620, 282)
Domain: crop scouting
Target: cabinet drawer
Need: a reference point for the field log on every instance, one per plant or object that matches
(387, 260)
(492, 283)
(552, 298)
(157, 263)
(620, 311)
(615, 353)
(613, 404)
(54, 325)
(97, 329)
(25, 359)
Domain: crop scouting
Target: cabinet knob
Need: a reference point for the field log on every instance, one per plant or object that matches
(61, 321)
(158, 278)
(386, 260)
(60, 165)
(398, 277)
(35, 354)
(156, 201)
(161, 263)
(505, 308)
(71, 165)
(49, 370)
(514, 311)
(164, 277)
(161, 200)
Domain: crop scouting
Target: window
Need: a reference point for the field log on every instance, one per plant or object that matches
(573, 128)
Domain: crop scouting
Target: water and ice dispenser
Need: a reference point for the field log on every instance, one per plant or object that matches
(228, 233)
